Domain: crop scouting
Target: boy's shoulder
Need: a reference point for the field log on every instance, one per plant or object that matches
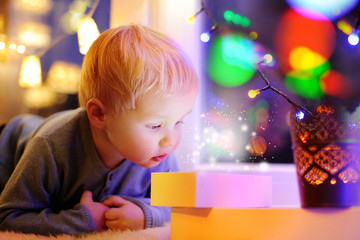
(62, 122)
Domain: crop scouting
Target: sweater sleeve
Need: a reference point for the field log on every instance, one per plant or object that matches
(29, 201)
(156, 216)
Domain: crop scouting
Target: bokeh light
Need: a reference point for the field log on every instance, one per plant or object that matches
(236, 19)
(334, 84)
(304, 84)
(353, 39)
(345, 27)
(303, 58)
(232, 59)
(257, 146)
(295, 30)
(330, 9)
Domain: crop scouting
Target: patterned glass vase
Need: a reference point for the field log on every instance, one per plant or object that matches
(326, 149)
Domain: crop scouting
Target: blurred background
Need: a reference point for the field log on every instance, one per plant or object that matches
(309, 51)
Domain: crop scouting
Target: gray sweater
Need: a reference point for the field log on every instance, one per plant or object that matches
(46, 165)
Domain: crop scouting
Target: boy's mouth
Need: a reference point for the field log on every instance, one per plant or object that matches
(159, 158)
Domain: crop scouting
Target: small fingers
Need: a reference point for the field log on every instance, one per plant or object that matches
(113, 213)
(86, 197)
(114, 201)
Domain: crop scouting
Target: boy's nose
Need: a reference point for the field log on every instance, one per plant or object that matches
(168, 140)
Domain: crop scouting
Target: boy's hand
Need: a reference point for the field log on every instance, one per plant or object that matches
(96, 209)
(123, 214)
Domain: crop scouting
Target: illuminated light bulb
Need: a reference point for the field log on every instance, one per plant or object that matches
(30, 73)
(87, 33)
(21, 49)
(353, 39)
(253, 93)
(205, 37)
(300, 115)
(268, 58)
(12, 46)
(34, 34)
(333, 181)
(2, 45)
(191, 19)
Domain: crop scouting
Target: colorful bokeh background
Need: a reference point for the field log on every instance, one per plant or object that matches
(312, 55)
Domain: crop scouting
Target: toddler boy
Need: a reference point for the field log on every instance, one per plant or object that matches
(89, 169)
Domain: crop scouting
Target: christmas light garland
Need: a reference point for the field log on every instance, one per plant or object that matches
(63, 36)
(253, 93)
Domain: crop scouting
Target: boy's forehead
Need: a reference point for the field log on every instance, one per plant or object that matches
(162, 106)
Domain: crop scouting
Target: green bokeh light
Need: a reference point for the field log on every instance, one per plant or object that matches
(307, 83)
(232, 60)
(236, 19)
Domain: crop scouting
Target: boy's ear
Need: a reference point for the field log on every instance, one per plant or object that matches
(96, 113)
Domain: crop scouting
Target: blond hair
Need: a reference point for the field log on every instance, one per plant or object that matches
(126, 62)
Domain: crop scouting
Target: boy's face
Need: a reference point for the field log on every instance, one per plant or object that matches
(148, 134)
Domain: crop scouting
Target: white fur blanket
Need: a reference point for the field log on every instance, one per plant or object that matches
(159, 233)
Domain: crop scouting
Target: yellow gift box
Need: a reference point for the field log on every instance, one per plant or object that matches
(210, 189)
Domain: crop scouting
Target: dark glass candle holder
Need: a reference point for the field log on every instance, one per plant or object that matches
(326, 149)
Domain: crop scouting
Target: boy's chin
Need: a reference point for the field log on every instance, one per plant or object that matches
(148, 163)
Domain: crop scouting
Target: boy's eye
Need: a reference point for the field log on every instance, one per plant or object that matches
(154, 127)
(179, 122)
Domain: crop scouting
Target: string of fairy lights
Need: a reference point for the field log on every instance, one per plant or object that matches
(87, 32)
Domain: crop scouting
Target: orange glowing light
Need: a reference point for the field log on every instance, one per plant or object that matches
(257, 146)
(253, 93)
(322, 109)
(304, 137)
(333, 181)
